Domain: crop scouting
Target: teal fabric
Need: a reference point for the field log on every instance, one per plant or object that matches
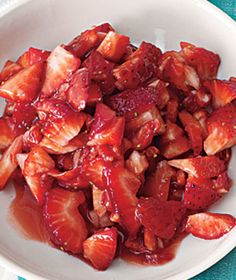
(226, 268)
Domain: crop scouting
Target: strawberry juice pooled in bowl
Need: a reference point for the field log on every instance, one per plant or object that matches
(117, 150)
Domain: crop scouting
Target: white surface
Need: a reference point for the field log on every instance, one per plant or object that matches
(46, 23)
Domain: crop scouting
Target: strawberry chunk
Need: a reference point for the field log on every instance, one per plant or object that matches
(104, 28)
(78, 91)
(113, 47)
(221, 129)
(65, 224)
(122, 186)
(106, 128)
(194, 131)
(8, 162)
(163, 93)
(160, 217)
(137, 163)
(158, 183)
(32, 137)
(196, 100)
(24, 86)
(60, 66)
(222, 183)
(100, 248)
(140, 67)
(32, 56)
(94, 95)
(205, 62)
(207, 167)
(100, 71)
(8, 132)
(222, 92)
(210, 225)
(9, 69)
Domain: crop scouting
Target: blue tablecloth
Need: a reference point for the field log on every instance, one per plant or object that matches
(226, 268)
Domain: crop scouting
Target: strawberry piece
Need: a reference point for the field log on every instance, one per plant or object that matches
(32, 56)
(32, 137)
(100, 248)
(94, 95)
(122, 186)
(61, 124)
(140, 67)
(173, 142)
(207, 167)
(106, 128)
(137, 163)
(160, 217)
(221, 129)
(199, 196)
(60, 66)
(150, 240)
(222, 92)
(65, 224)
(113, 47)
(104, 28)
(98, 206)
(78, 91)
(8, 162)
(205, 62)
(9, 69)
(8, 133)
(172, 68)
(163, 93)
(131, 103)
(100, 71)
(202, 116)
(196, 100)
(209, 225)
(223, 183)
(158, 183)
(194, 131)
(24, 85)
(172, 109)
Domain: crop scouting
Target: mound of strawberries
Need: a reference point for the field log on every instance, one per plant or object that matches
(114, 140)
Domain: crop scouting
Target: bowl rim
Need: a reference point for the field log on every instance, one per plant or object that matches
(222, 251)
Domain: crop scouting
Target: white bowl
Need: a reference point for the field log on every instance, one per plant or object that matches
(47, 23)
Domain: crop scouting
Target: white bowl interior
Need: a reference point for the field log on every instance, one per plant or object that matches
(45, 24)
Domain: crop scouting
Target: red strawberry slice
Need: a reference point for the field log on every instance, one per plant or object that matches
(122, 186)
(113, 46)
(222, 130)
(158, 183)
(32, 137)
(24, 85)
(104, 27)
(100, 71)
(100, 248)
(205, 62)
(9, 69)
(137, 163)
(78, 91)
(160, 217)
(207, 166)
(8, 132)
(222, 92)
(106, 128)
(140, 67)
(8, 162)
(199, 194)
(194, 131)
(210, 225)
(32, 56)
(65, 224)
(60, 66)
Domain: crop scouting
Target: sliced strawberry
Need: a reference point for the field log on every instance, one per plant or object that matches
(160, 217)
(210, 225)
(61, 124)
(205, 62)
(65, 224)
(207, 167)
(122, 186)
(113, 47)
(100, 71)
(24, 85)
(222, 129)
(94, 95)
(9, 69)
(131, 103)
(78, 91)
(158, 183)
(194, 131)
(8, 162)
(222, 92)
(32, 137)
(222, 183)
(104, 27)
(140, 67)
(200, 194)
(60, 66)
(100, 248)
(106, 128)
(32, 56)
(137, 163)
(8, 132)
